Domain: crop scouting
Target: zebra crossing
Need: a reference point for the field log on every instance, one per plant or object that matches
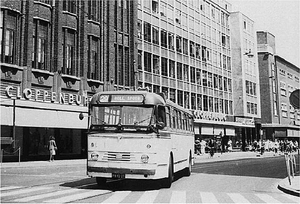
(52, 194)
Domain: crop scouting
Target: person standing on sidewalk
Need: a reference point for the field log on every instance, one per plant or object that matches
(52, 148)
(203, 145)
(211, 146)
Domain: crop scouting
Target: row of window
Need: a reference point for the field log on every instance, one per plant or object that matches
(169, 68)
(177, 119)
(41, 49)
(194, 101)
(153, 34)
(166, 8)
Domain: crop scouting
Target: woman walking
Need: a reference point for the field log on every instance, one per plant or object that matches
(52, 148)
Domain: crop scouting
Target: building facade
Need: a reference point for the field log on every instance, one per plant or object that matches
(246, 92)
(54, 56)
(184, 50)
(278, 79)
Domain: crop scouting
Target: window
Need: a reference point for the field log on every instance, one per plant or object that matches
(205, 103)
(163, 36)
(193, 74)
(70, 6)
(156, 64)
(180, 98)
(171, 69)
(192, 49)
(155, 6)
(178, 44)
(185, 46)
(155, 35)
(69, 52)
(186, 72)
(147, 62)
(164, 66)
(199, 102)
(147, 32)
(93, 10)
(93, 58)
(204, 78)
(210, 80)
(198, 51)
(179, 71)
(40, 42)
(282, 88)
(7, 36)
(171, 41)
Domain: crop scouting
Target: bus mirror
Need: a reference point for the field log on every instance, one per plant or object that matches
(160, 125)
(81, 116)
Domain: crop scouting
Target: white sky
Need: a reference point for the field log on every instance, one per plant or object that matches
(279, 17)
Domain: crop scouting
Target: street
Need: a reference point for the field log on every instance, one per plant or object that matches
(246, 180)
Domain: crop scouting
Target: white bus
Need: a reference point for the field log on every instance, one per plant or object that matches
(138, 135)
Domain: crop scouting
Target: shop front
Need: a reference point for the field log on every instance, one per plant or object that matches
(28, 120)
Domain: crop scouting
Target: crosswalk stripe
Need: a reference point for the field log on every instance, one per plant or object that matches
(237, 198)
(148, 197)
(178, 197)
(46, 195)
(267, 198)
(22, 191)
(117, 197)
(9, 188)
(207, 197)
(77, 196)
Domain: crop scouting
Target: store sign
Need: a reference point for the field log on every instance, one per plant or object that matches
(209, 115)
(245, 121)
(46, 96)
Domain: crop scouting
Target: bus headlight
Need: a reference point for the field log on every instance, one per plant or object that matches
(94, 156)
(144, 158)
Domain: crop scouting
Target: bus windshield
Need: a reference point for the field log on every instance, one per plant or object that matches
(121, 116)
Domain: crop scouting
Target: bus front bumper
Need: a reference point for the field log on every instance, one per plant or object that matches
(131, 171)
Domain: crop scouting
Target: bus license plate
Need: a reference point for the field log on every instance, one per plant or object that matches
(118, 176)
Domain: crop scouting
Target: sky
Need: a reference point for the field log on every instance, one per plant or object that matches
(279, 17)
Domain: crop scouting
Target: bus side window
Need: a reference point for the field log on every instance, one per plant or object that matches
(168, 117)
(161, 114)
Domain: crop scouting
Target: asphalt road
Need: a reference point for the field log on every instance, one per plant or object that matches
(252, 180)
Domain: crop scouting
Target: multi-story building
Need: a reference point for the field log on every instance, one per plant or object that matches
(278, 79)
(246, 92)
(55, 55)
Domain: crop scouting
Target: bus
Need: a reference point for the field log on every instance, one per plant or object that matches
(138, 135)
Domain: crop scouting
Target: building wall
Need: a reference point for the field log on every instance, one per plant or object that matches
(245, 67)
(190, 82)
(54, 56)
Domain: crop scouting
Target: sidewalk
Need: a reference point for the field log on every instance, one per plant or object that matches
(27, 164)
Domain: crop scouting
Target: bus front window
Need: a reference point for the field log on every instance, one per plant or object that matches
(121, 115)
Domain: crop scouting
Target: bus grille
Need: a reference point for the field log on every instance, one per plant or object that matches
(118, 156)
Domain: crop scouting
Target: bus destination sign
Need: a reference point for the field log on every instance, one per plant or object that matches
(127, 98)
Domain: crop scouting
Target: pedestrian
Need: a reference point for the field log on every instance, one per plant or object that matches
(211, 146)
(229, 145)
(198, 147)
(203, 145)
(52, 148)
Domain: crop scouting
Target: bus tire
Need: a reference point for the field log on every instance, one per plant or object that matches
(188, 169)
(101, 181)
(170, 178)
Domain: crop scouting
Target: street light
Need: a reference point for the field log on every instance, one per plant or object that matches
(249, 53)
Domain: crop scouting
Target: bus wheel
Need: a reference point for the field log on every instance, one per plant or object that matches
(170, 178)
(188, 169)
(101, 181)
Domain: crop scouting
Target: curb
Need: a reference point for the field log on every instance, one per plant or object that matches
(286, 189)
